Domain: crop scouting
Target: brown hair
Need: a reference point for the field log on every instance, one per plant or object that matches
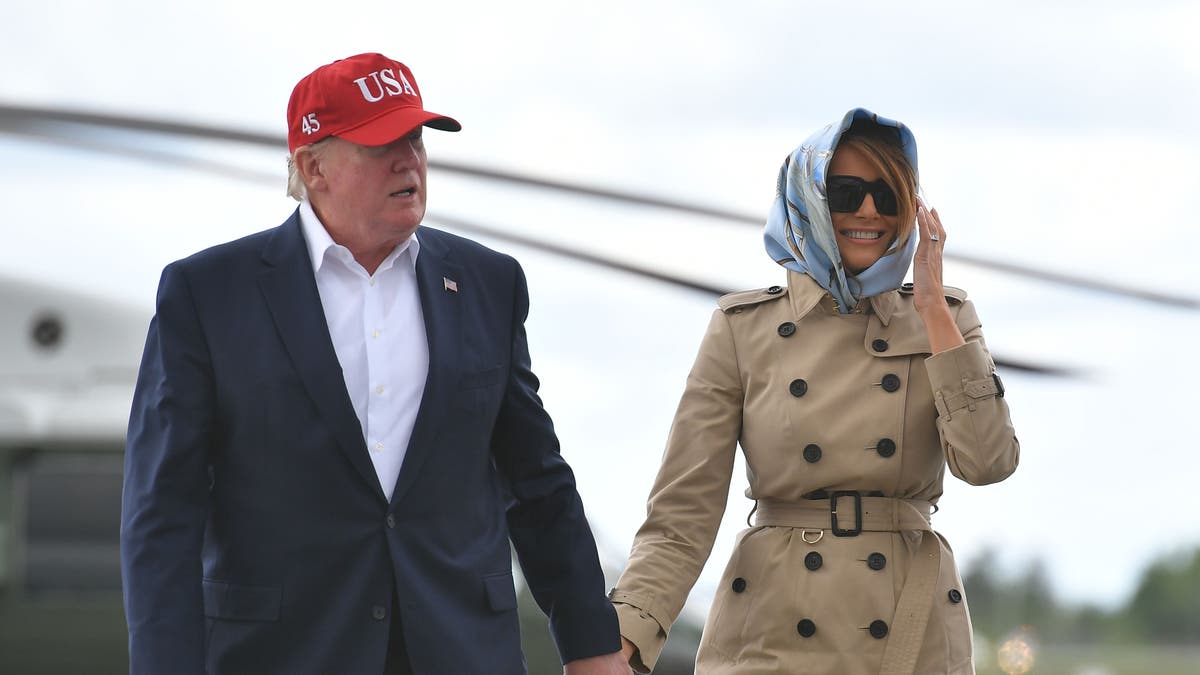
(885, 155)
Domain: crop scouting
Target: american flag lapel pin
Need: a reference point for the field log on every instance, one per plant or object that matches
(450, 285)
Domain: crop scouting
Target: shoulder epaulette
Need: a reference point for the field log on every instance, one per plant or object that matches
(733, 301)
(956, 296)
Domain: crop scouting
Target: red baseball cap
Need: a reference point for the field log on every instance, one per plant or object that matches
(366, 99)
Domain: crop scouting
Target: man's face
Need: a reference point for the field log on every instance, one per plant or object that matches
(376, 192)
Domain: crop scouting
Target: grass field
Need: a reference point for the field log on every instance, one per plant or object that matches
(1097, 660)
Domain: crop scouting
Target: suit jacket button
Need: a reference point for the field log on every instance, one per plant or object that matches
(886, 447)
(876, 561)
(955, 596)
(812, 453)
(813, 561)
(798, 388)
(890, 382)
(879, 629)
(378, 613)
(391, 521)
(774, 290)
(787, 328)
(739, 585)
(879, 345)
(806, 628)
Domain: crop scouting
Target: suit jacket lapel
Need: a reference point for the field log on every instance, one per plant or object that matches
(442, 310)
(295, 305)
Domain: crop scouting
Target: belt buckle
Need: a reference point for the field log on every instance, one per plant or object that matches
(835, 525)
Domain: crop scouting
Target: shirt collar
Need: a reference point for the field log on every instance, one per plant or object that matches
(317, 238)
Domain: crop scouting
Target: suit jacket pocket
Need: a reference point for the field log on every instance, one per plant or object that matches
(481, 378)
(240, 602)
(501, 595)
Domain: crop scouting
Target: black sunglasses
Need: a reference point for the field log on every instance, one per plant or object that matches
(846, 194)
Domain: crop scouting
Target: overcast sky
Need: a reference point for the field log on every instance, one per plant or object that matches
(1055, 134)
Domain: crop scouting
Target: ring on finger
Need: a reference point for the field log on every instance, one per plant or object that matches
(934, 238)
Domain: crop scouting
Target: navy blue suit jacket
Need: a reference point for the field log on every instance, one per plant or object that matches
(255, 537)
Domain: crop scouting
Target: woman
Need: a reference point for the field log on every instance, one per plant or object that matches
(849, 395)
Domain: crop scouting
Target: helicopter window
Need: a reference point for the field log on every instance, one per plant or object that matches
(66, 522)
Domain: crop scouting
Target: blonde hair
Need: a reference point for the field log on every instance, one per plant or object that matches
(887, 157)
(295, 182)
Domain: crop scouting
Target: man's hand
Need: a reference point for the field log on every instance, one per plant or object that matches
(609, 664)
(628, 649)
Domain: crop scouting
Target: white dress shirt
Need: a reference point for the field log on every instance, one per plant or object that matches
(378, 333)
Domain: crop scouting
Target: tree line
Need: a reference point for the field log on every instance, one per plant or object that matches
(1163, 610)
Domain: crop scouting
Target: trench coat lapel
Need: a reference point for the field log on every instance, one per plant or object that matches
(442, 309)
(291, 294)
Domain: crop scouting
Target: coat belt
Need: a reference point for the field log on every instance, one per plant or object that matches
(847, 514)
(843, 511)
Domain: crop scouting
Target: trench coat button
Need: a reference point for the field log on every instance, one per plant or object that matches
(876, 561)
(739, 585)
(879, 345)
(813, 561)
(886, 447)
(391, 521)
(798, 388)
(775, 290)
(812, 453)
(955, 596)
(890, 382)
(879, 629)
(806, 628)
(787, 328)
(378, 613)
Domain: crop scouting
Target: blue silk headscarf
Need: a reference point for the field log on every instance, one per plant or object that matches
(799, 232)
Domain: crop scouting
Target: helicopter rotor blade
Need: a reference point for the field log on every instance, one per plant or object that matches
(238, 173)
(27, 119)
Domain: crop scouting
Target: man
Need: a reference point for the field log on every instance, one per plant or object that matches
(336, 431)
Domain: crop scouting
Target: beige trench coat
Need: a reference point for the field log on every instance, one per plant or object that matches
(820, 402)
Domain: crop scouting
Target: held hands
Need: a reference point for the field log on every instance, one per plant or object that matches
(608, 664)
(628, 649)
(929, 296)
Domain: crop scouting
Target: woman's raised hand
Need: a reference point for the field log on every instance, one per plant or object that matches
(927, 263)
(929, 296)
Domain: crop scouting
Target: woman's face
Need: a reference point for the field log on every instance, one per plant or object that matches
(864, 235)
